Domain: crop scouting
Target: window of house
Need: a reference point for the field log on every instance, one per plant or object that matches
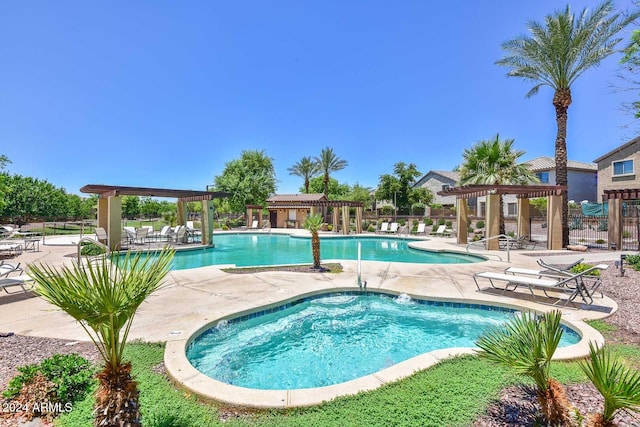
(543, 177)
(292, 214)
(512, 209)
(445, 187)
(483, 209)
(623, 167)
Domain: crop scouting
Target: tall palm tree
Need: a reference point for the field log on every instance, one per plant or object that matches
(103, 297)
(329, 162)
(313, 224)
(495, 162)
(526, 345)
(306, 169)
(618, 384)
(555, 55)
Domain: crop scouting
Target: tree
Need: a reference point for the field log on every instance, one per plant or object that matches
(26, 198)
(313, 224)
(337, 191)
(130, 207)
(103, 297)
(399, 187)
(4, 160)
(495, 162)
(306, 169)
(251, 179)
(631, 60)
(526, 345)
(361, 194)
(555, 55)
(329, 162)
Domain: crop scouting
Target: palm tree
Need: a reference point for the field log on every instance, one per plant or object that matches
(618, 385)
(328, 162)
(495, 162)
(103, 297)
(313, 224)
(555, 55)
(306, 168)
(526, 344)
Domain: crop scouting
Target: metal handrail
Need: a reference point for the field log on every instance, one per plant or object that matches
(107, 251)
(504, 236)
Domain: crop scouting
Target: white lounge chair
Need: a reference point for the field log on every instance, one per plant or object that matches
(393, 229)
(384, 227)
(21, 281)
(254, 225)
(12, 248)
(573, 284)
(6, 268)
(441, 231)
(101, 235)
(420, 229)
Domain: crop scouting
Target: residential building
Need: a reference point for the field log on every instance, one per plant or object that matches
(617, 168)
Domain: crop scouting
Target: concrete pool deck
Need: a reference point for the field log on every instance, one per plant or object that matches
(192, 299)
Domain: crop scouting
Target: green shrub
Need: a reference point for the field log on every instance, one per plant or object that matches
(511, 234)
(480, 224)
(626, 234)
(90, 249)
(71, 374)
(371, 229)
(428, 221)
(402, 222)
(582, 267)
(600, 241)
(470, 229)
(441, 221)
(448, 224)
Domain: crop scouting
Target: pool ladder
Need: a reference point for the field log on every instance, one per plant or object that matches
(361, 284)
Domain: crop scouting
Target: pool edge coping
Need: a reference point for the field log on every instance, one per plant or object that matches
(183, 374)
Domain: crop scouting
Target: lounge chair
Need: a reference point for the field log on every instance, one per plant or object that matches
(6, 268)
(13, 248)
(393, 228)
(384, 227)
(573, 284)
(420, 229)
(180, 234)
(101, 235)
(141, 236)
(441, 231)
(21, 281)
(254, 225)
(165, 233)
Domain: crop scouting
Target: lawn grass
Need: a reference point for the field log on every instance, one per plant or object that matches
(452, 393)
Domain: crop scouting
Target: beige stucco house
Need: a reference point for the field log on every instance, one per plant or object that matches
(617, 169)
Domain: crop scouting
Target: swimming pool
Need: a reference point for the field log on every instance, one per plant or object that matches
(251, 249)
(332, 338)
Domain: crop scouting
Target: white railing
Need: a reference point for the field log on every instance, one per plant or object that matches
(510, 241)
(92, 258)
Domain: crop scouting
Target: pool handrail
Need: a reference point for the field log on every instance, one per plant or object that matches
(508, 238)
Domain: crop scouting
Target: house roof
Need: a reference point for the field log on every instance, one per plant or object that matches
(296, 198)
(450, 175)
(543, 163)
(615, 150)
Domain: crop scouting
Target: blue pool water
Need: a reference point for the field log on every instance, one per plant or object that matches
(331, 339)
(249, 249)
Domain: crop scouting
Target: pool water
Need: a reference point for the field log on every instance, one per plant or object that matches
(249, 249)
(327, 340)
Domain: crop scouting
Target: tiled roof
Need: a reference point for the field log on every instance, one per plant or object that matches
(546, 163)
(622, 147)
(295, 198)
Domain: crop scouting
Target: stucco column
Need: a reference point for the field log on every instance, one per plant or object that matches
(114, 225)
(181, 212)
(207, 223)
(554, 222)
(249, 219)
(615, 223)
(345, 220)
(524, 216)
(462, 215)
(492, 226)
(103, 213)
(336, 219)
(359, 219)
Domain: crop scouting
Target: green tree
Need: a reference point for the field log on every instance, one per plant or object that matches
(131, 207)
(329, 162)
(398, 187)
(28, 198)
(4, 161)
(150, 207)
(526, 345)
(251, 180)
(337, 191)
(361, 194)
(313, 224)
(495, 162)
(306, 169)
(618, 385)
(631, 60)
(556, 53)
(104, 297)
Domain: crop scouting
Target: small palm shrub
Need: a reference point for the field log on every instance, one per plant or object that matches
(583, 267)
(480, 224)
(428, 221)
(526, 345)
(618, 385)
(441, 221)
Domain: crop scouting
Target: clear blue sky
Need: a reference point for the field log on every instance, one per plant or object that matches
(164, 93)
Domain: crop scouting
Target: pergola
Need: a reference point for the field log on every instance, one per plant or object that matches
(553, 193)
(110, 207)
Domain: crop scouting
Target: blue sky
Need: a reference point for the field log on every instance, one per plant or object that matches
(164, 93)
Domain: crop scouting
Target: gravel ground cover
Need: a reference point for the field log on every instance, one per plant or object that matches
(516, 406)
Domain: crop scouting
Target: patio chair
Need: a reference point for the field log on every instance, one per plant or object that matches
(180, 234)
(101, 235)
(572, 284)
(21, 281)
(6, 268)
(441, 231)
(254, 225)
(165, 233)
(12, 248)
(141, 236)
(420, 229)
(393, 228)
(384, 227)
